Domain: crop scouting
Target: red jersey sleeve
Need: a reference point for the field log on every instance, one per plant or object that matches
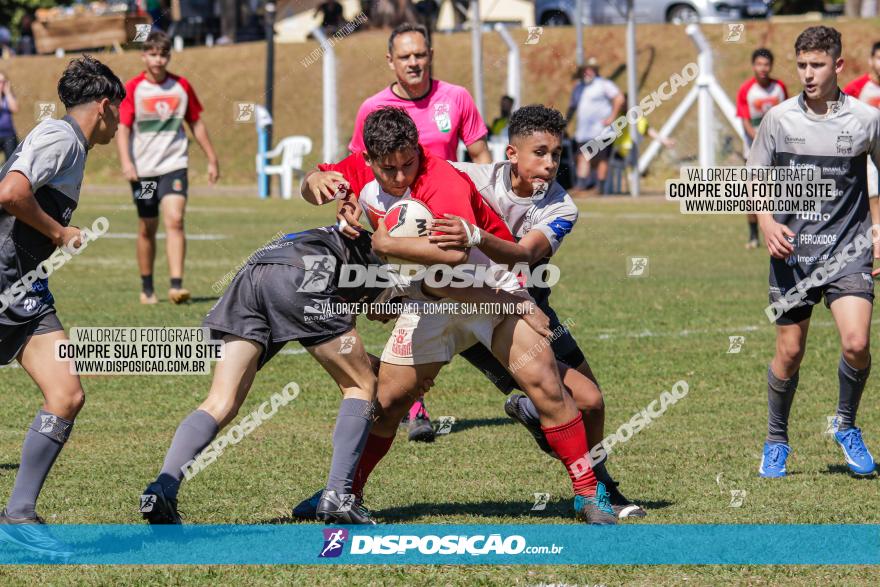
(742, 103)
(193, 106)
(854, 88)
(446, 190)
(126, 108)
(354, 169)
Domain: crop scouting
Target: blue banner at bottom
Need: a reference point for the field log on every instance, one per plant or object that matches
(442, 544)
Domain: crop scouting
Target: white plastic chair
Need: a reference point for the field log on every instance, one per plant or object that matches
(497, 148)
(292, 150)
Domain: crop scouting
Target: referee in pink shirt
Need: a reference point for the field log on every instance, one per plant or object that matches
(443, 113)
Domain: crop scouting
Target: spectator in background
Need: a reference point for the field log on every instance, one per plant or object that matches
(8, 107)
(499, 125)
(623, 144)
(427, 12)
(332, 20)
(755, 98)
(26, 35)
(867, 89)
(597, 102)
(5, 41)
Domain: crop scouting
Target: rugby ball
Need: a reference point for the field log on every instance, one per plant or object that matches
(408, 218)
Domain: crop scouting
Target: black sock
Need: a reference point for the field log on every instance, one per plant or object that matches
(195, 433)
(43, 442)
(753, 231)
(353, 425)
(147, 284)
(852, 384)
(176, 282)
(780, 396)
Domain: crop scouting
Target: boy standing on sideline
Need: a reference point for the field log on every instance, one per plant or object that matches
(755, 98)
(153, 149)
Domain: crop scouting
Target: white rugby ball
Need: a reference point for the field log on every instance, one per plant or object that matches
(407, 218)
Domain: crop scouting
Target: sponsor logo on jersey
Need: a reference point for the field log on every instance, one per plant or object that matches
(441, 117)
(161, 107)
(845, 144)
(401, 344)
(319, 311)
(795, 140)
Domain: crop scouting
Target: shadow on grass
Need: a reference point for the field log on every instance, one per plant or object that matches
(8, 466)
(555, 509)
(844, 470)
(461, 425)
(558, 508)
(202, 299)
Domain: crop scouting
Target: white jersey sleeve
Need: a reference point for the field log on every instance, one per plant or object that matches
(49, 156)
(555, 219)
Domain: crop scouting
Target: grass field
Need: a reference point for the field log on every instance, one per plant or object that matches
(640, 334)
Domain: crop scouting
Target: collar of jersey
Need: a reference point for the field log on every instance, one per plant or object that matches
(76, 130)
(420, 98)
(841, 98)
(508, 185)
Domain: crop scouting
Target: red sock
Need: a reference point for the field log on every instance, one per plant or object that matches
(374, 451)
(569, 441)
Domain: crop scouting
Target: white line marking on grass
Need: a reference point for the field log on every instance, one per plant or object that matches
(684, 333)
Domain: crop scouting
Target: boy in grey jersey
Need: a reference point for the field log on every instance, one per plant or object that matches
(39, 189)
(539, 214)
(825, 128)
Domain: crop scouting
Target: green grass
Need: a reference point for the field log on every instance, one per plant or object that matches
(640, 334)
